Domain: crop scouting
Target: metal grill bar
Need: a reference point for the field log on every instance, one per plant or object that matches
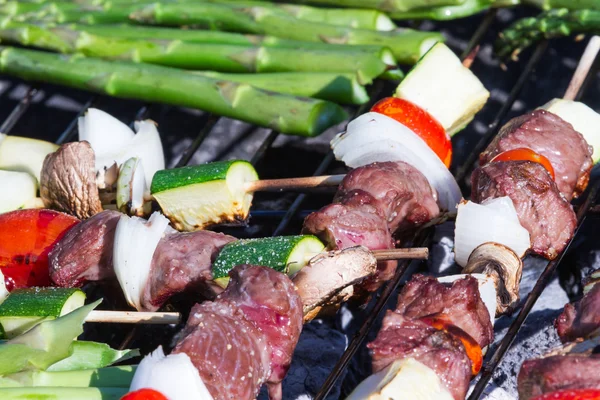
(69, 132)
(204, 132)
(18, 111)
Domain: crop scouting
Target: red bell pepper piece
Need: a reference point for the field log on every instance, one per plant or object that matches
(575, 394)
(144, 394)
(26, 238)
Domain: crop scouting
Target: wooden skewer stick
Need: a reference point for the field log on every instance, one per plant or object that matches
(583, 68)
(134, 317)
(415, 253)
(309, 182)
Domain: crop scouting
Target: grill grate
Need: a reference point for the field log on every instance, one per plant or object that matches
(423, 238)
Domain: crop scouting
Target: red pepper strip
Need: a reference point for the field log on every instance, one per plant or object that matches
(472, 348)
(525, 154)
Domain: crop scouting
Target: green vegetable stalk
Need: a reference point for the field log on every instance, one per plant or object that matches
(570, 4)
(450, 12)
(201, 56)
(91, 355)
(549, 24)
(62, 393)
(287, 114)
(102, 377)
(43, 345)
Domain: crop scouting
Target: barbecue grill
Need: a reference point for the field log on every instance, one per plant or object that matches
(191, 137)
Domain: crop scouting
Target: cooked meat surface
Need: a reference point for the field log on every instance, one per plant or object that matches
(356, 220)
(404, 195)
(85, 253)
(561, 372)
(459, 302)
(581, 318)
(549, 135)
(68, 180)
(246, 337)
(401, 337)
(233, 365)
(542, 210)
(182, 263)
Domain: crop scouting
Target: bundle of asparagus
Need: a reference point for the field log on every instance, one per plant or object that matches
(550, 24)
(407, 45)
(287, 114)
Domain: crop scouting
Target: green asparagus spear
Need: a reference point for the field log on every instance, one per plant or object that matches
(339, 88)
(444, 13)
(201, 56)
(549, 24)
(58, 12)
(407, 45)
(287, 114)
(203, 36)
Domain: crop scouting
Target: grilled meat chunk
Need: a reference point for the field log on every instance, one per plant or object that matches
(401, 337)
(85, 253)
(549, 135)
(246, 337)
(182, 264)
(559, 372)
(403, 194)
(542, 210)
(580, 319)
(459, 302)
(357, 220)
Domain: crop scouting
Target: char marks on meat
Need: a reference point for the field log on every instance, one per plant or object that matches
(459, 302)
(560, 372)
(373, 202)
(549, 135)
(85, 253)
(580, 319)
(182, 264)
(542, 210)
(402, 337)
(247, 336)
(403, 193)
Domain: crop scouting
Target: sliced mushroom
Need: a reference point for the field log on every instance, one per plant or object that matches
(68, 181)
(504, 267)
(327, 275)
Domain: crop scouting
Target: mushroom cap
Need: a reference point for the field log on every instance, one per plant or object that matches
(68, 180)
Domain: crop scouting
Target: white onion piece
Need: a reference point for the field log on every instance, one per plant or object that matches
(487, 290)
(374, 137)
(174, 376)
(147, 145)
(135, 242)
(494, 220)
(403, 379)
(3, 290)
(106, 134)
(113, 141)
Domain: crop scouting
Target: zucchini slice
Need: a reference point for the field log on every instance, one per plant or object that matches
(584, 120)
(287, 254)
(22, 190)
(198, 196)
(24, 154)
(25, 308)
(441, 85)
